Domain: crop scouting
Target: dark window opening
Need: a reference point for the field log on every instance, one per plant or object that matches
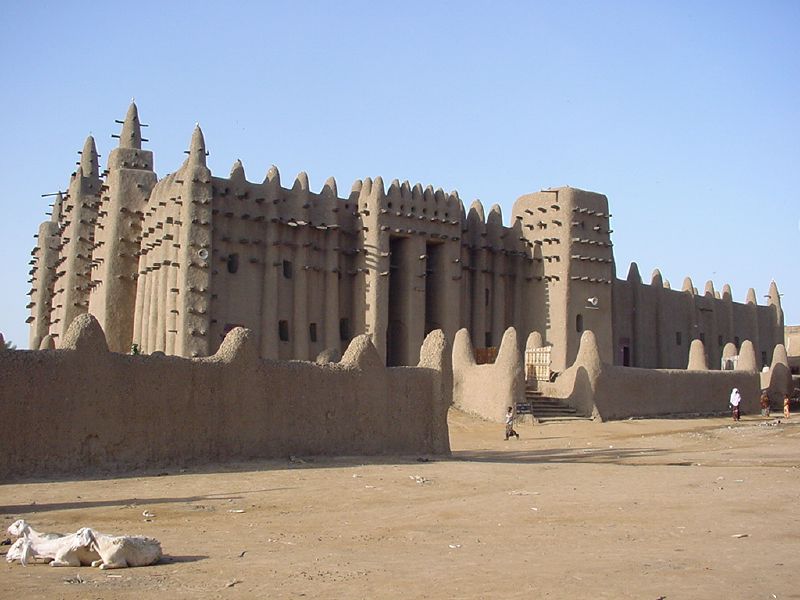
(488, 339)
(487, 296)
(579, 323)
(678, 338)
(233, 263)
(626, 356)
(763, 359)
(736, 342)
(720, 340)
(344, 329)
(287, 269)
(703, 338)
(283, 330)
(312, 332)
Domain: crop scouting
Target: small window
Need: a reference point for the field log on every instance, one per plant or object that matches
(487, 296)
(736, 342)
(703, 338)
(763, 359)
(579, 323)
(344, 329)
(488, 338)
(233, 263)
(287, 269)
(719, 340)
(283, 330)
(678, 338)
(312, 332)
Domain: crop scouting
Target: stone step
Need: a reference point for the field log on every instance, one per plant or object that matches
(554, 414)
(545, 408)
(544, 420)
(549, 402)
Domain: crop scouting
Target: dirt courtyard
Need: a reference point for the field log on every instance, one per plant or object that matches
(645, 509)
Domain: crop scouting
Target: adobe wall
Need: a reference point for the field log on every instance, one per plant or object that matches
(792, 336)
(83, 409)
(487, 390)
(658, 323)
(610, 392)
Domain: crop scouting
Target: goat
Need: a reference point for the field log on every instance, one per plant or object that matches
(20, 528)
(120, 551)
(15, 551)
(65, 551)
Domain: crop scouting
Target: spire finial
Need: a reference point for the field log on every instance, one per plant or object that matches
(89, 162)
(131, 135)
(197, 148)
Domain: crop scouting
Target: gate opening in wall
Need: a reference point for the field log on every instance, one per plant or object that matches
(537, 364)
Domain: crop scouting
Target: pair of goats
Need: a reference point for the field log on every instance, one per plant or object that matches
(84, 547)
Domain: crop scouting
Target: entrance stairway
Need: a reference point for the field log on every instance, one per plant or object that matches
(548, 410)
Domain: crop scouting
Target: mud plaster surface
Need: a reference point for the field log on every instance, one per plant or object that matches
(632, 509)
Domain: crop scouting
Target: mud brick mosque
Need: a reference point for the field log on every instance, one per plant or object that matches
(173, 264)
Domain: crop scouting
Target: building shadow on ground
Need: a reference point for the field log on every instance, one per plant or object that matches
(620, 456)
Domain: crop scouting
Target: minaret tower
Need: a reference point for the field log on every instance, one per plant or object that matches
(43, 274)
(71, 286)
(115, 258)
(572, 228)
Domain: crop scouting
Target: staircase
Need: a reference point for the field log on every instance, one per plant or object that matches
(548, 410)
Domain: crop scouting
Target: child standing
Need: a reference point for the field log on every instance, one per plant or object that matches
(510, 423)
(786, 406)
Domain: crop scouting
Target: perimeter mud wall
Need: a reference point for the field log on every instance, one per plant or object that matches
(488, 390)
(82, 409)
(610, 392)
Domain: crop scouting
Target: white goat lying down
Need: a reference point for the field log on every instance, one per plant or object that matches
(120, 551)
(64, 551)
(21, 528)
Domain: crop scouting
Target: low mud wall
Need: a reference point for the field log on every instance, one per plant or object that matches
(487, 391)
(82, 409)
(610, 392)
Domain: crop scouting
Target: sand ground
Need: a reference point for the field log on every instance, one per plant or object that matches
(645, 509)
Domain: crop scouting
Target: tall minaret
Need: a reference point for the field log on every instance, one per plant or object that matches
(115, 260)
(71, 286)
(43, 274)
(774, 302)
(194, 272)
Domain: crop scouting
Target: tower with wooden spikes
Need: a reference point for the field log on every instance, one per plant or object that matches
(44, 262)
(72, 279)
(115, 257)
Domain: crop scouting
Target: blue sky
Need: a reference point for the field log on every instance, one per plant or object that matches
(685, 114)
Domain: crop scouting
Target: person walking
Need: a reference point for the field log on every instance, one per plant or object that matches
(510, 423)
(764, 403)
(736, 399)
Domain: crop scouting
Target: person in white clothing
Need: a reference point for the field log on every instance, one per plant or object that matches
(736, 399)
(510, 423)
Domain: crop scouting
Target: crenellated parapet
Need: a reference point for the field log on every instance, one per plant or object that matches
(656, 326)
